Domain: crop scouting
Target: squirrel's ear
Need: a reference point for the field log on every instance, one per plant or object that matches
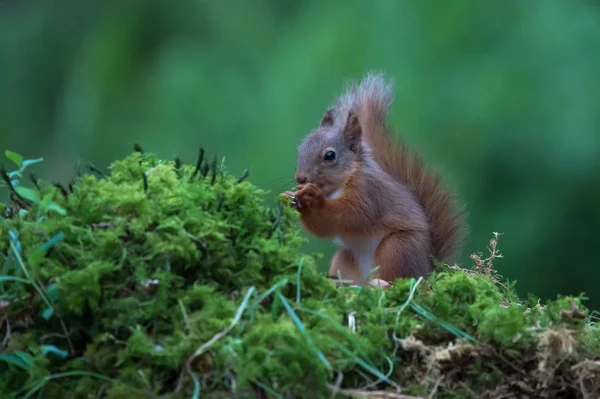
(327, 119)
(352, 132)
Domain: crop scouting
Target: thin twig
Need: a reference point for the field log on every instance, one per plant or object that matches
(404, 305)
(64, 327)
(185, 316)
(435, 387)
(469, 390)
(377, 394)
(7, 335)
(338, 383)
(509, 364)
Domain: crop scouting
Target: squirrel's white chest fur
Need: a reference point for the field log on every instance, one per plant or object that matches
(363, 251)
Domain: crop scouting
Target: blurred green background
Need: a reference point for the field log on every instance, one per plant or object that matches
(502, 96)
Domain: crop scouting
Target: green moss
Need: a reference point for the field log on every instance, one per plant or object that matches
(152, 262)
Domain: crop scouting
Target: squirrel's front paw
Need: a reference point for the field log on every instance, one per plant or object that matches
(309, 196)
(292, 196)
(380, 283)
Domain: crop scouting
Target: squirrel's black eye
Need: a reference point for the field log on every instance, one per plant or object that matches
(329, 156)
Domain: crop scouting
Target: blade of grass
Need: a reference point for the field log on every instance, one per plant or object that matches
(411, 294)
(371, 369)
(216, 337)
(196, 393)
(13, 278)
(267, 389)
(184, 313)
(256, 303)
(29, 162)
(300, 326)
(52, 241)
(413, 288)
(14, 360)
(53, 349)
(40, 290)
(338, 326)
(44, 380)
(268, 292)
(387, 375)
(21, 264)
(298, 280)
(447, 326)
(13, 156)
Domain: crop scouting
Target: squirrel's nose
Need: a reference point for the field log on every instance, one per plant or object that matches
(301, 178)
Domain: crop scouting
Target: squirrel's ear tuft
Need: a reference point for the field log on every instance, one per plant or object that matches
(352, 132)
(327, 119)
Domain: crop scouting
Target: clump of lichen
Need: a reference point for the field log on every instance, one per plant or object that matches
(158, 279)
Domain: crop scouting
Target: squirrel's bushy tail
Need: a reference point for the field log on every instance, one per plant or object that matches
(370, 100)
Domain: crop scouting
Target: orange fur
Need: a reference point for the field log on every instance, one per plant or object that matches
(383, 203)
(447, 224)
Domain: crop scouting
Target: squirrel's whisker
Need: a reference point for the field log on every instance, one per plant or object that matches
(286, 184)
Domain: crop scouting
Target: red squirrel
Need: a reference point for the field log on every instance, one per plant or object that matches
(381, 203)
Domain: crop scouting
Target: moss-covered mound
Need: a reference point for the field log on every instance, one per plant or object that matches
(158, 279)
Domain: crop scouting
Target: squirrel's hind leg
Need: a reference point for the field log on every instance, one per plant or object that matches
(343, 262)
(403, 254)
